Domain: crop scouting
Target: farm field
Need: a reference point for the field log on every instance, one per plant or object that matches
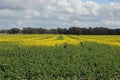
(59, 57)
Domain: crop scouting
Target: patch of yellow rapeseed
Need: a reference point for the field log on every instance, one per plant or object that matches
(51, 40)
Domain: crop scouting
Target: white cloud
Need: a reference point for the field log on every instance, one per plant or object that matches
(72, 12)
(19, 22)
(111, 22)
(14, 4)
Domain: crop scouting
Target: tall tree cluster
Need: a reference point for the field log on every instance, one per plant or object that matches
(71, 30)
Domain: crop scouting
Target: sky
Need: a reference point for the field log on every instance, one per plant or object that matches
(59, 13)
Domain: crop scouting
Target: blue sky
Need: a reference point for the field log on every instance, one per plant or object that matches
(100, 1)
(59, 13)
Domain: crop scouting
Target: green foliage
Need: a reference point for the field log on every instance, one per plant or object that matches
(87, 61)
(60, 37)
(13, 31)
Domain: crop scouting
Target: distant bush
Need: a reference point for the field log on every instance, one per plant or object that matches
(71, 30)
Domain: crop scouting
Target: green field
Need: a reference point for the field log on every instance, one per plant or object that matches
(85, 61)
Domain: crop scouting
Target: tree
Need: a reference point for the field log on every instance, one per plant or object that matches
(53, 31)
(75, 30)
(3, 31)
(41, 31)
(60, 30)
(71, 30)
(27, 30)
(13, 31)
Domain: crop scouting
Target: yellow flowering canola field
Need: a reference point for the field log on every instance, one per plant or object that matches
(52, 40)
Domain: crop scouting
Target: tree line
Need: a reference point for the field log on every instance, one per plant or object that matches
(71, 30)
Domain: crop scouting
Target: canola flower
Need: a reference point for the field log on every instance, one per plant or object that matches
(110, 40)
(40, 42)
(51, 40)
(18, 37)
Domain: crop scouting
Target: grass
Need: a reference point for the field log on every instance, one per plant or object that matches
(86, 61)
(60, 37)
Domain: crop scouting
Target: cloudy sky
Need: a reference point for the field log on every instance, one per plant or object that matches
(59, 13)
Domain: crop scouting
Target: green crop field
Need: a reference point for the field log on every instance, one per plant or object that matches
(59, 57)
